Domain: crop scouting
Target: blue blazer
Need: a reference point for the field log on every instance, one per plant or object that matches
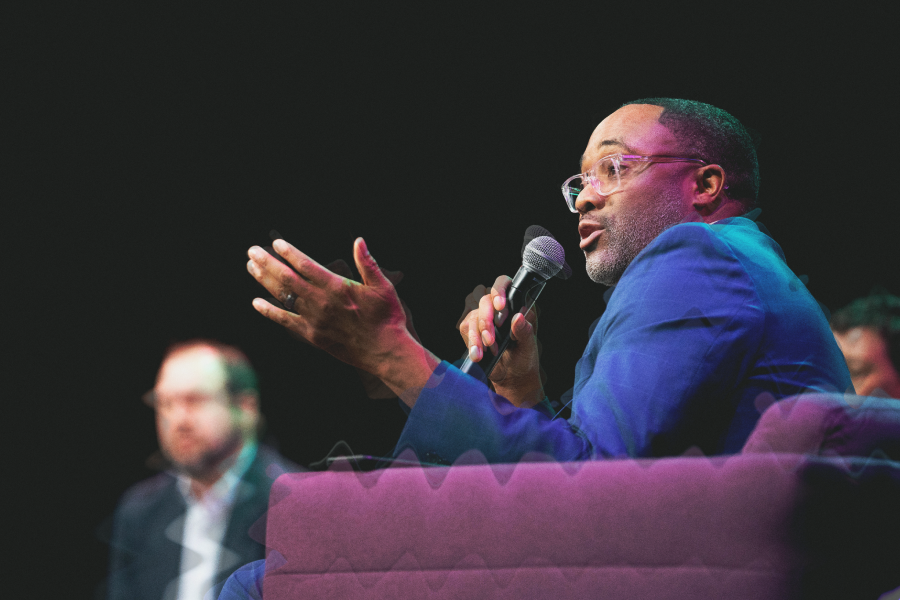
(704, 322)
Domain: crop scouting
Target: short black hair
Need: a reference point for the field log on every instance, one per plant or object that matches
(239, 373)
(711, 134)
(880, 312)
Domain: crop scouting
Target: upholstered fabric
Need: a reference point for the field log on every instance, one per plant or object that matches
(663, 529)
(829, 425)
(775, 522)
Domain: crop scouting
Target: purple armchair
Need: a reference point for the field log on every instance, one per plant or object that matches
(810, 509)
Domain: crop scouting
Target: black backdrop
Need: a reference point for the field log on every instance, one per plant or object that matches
(151, 147)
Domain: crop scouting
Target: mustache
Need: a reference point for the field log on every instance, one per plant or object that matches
(600, 220)
(183, 434)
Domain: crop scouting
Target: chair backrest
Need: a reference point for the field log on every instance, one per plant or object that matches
(829, 425)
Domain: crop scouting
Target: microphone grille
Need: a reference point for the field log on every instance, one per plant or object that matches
(534, 231)
(544, 255)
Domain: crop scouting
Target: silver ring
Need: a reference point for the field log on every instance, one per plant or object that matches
(288, 302)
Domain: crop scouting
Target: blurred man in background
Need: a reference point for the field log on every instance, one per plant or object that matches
(868, 333)
(178, 534)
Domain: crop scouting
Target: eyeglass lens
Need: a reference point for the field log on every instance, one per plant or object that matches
(571, 191)
(603, 177)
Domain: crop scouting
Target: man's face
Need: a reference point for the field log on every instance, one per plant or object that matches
(651, 198)
(196, 423)
(867, 358)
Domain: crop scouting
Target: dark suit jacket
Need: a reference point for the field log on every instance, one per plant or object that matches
(145, 557)
(705, 320)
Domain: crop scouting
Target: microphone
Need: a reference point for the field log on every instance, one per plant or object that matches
(542, 258)
(534, 231)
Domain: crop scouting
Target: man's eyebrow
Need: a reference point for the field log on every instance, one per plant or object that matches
(604, 143)
(612, 143)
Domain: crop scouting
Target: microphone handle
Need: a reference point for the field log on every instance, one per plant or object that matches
(523, 292)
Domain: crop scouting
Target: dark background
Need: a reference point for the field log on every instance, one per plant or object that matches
(149, 148)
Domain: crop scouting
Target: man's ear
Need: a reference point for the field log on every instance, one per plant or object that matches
(248, 405)
(709, 189)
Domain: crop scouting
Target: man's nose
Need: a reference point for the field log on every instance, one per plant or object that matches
(589, 200)
(177, 417)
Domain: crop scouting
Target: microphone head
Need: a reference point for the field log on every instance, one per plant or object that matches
(544, 255)
(534, 231)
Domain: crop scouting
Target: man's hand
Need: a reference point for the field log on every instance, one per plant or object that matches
(375, 388)
(517, 375)
(362, 324)
(341, 267)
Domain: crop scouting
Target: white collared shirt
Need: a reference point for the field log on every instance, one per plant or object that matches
(205, 523)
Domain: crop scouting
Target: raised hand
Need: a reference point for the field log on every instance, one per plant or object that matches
(361, 323)
(375, 388)
(341, 267)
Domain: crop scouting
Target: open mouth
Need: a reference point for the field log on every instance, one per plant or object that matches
(590, 239)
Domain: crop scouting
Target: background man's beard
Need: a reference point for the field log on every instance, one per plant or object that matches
(208, 463)
(626, 235)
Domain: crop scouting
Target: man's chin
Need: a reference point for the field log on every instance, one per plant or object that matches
(189, 459)
(202, 464)
(189, 464)
(601, 267)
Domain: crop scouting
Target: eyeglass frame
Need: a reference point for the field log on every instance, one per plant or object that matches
(616, 160)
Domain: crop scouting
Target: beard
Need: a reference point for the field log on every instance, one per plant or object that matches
(203, 461)
(629, 233)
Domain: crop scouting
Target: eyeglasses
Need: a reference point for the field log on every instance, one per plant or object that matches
(605, 175)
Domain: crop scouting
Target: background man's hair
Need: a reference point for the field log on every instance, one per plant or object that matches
(239, 373)
(880, 312)
(710, 133)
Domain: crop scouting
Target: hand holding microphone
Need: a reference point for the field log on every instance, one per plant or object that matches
(512, 363)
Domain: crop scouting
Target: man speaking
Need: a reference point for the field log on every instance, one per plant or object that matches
(705, 316)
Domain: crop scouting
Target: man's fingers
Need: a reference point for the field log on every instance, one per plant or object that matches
(532, 316)
(340, 267)
(368, 269)
(474, 344)
(471, 303)
(486, 320)
(474, 298)
(302, 264)
(500, 317)
(277, 278)
(277, 304)
(464, 324)
(498, 292)
(521, 328)
(290, 321)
